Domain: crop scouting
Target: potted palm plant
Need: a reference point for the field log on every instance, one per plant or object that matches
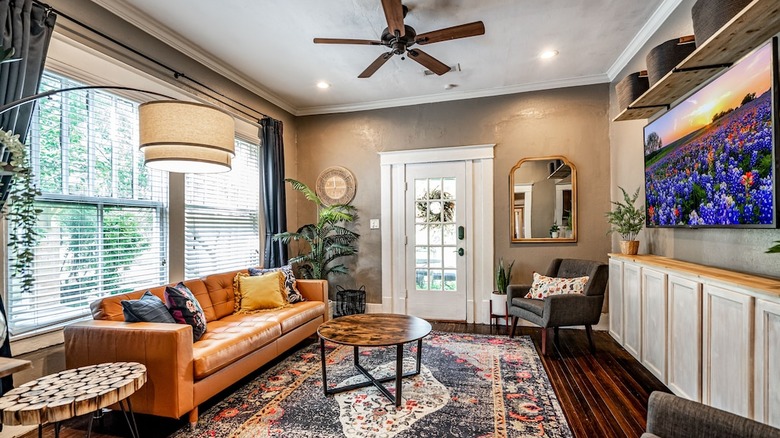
(328, 240)
(627, 220)
(498, 297)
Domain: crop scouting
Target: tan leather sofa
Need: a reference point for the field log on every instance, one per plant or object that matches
(182, 374)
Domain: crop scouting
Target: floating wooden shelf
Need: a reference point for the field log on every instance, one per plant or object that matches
(753, 26)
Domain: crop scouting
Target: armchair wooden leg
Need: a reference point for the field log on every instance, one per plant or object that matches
(544, 341)
(588, 331)
(514, 325)
(557, 339)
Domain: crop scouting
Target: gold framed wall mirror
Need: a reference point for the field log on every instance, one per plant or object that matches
(543, 200)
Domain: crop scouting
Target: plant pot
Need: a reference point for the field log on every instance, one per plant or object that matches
(498, 303)
(554, 234)
(630, 247)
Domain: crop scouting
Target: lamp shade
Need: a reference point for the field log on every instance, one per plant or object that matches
(186, 137)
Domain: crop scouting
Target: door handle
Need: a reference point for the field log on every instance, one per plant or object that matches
(460, 251)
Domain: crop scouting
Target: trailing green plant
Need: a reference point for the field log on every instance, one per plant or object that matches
(21, 212)
(503, 276)
(625, 218)
(774, 249)
(328, 240)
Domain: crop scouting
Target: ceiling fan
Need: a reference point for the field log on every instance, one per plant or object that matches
(400, 38)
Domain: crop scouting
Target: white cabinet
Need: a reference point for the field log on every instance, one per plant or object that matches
(767, 364)
(632, 309)
(684, 326)
(727, 371)
(616, 300)
(654, 322)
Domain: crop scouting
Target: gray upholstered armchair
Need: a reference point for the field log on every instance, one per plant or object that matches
(562, 310)
(669, 416)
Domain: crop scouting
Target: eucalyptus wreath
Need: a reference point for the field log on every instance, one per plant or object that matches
(444, 214)
(21, 212)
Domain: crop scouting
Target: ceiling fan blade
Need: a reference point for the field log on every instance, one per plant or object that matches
(346, 41)
(452, 33)
(394, 12)
(428, 61)
(375, 65)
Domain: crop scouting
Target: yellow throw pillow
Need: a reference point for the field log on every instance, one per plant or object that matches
(262, 292)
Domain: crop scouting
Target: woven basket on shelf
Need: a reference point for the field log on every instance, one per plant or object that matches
(664, 57)
(710, 15)
(631, 87)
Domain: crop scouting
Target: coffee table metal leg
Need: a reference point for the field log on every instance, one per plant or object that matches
(419, 355)
(399, 372)
(322, 359)
(356, 354)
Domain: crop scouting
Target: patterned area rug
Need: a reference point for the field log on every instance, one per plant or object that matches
(469, 386)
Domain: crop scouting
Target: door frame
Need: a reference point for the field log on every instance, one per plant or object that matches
(478, 160)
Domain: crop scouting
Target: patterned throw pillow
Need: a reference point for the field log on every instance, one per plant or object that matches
(185, 309)
(544, 286)
(293, 295)
(148, 308)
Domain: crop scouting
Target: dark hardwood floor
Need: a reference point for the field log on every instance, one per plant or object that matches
(602, 394)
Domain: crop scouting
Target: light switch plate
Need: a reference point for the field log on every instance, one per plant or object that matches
(373, 224)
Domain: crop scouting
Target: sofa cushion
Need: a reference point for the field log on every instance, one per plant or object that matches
(220, 289)
(228, 341)
(185, 309)
(262, 292)
(293, 295)
(148, 308)
(288, 318)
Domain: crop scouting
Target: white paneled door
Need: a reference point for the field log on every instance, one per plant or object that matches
(616, 300)
(767, 364)
(654, 322)
(684, 326)
(632, 309)
(436, 268)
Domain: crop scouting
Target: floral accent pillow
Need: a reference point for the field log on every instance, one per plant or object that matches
(185, 309)
(544, 286)
(293, 295)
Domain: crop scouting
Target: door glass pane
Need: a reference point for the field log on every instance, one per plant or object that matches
(422, 256)
(450, 279)
(449, 234)
(435, 234)
(421, 234)
(436, 282)
(422, 279)
(435, 259)
(450, 258)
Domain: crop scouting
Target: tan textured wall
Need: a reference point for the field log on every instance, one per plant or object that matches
(741, 250)
(571, 122)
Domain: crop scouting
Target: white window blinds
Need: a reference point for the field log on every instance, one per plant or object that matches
(221, 215)
(103, 220)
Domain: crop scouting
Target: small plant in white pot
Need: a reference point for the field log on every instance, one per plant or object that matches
(554, 230)
(627, 220)
(498, 297)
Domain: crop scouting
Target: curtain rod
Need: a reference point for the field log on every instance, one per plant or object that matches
(176, 74)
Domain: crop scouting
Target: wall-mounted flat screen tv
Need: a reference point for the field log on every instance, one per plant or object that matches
(710, 160)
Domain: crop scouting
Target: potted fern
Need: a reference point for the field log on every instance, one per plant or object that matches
(498, 297)
(328, 240)
(627, 220)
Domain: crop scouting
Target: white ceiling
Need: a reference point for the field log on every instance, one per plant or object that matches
(267, 45)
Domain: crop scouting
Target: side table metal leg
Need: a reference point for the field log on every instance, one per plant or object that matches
(40, 431)
(322, 359)
(57, 427)
(130, 419)
(89, 428)
(399, 372)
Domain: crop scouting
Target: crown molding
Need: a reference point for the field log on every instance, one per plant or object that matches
(154, 28)
(652, 25)
(450, 96)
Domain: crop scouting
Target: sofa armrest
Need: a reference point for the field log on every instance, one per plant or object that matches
(669, 416)
(314, 290)
(165, 349)
(516, 291)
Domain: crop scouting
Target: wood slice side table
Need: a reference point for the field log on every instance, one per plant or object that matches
(70, 393)
(374, 330)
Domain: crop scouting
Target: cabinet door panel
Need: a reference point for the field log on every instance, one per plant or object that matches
(728, 350)
(767, 370)
(616, 300)
(632, 309)
(654, 322)
(684, 316)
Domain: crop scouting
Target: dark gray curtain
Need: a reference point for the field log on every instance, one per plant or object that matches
(27, 27)
(274, 200)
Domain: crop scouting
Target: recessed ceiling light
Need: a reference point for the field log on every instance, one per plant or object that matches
(322, 84)
(547, 54)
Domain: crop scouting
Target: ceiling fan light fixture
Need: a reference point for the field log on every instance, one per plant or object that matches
(547, 54)
(323, 85)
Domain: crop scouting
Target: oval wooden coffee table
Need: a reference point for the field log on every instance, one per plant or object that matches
(374, 330)
(70, 393)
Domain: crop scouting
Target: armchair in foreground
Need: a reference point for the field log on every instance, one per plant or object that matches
(562, 310)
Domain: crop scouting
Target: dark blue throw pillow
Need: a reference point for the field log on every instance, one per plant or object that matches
(148, 308)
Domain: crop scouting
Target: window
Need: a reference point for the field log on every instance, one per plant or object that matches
(103, 220)
(221, 216)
